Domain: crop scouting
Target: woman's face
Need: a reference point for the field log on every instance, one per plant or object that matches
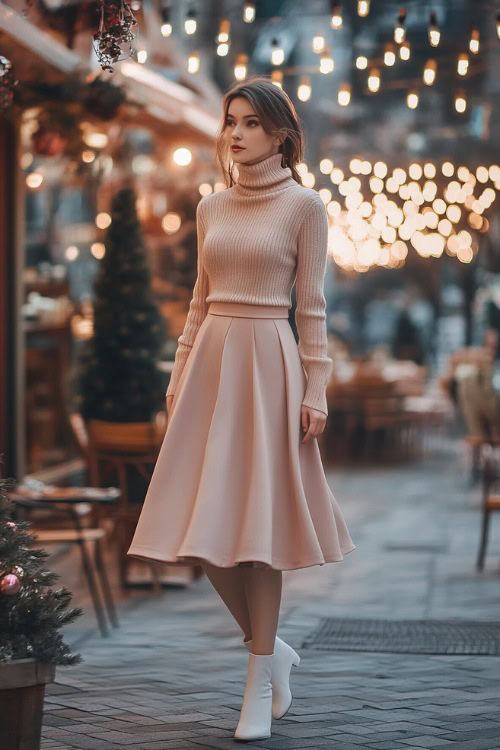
(243, 128)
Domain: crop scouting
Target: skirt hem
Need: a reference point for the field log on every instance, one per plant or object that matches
(151, 554)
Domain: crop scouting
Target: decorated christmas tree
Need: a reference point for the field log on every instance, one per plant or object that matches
(31, 613)
(118, 379)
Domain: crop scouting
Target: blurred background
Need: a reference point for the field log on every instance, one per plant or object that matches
(107, 132)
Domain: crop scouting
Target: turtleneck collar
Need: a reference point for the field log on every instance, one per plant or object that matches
(264, 177)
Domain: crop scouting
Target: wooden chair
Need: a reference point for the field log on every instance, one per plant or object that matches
(124, 454)
(83, 536)
(490, 466)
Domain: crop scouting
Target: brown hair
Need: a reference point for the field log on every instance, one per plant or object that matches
(276, 112)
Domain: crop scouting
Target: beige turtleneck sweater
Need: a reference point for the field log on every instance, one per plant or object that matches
(255, 239)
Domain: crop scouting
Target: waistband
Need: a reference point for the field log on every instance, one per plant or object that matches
(245, 310)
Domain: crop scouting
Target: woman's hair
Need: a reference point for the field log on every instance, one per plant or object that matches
(276, 113)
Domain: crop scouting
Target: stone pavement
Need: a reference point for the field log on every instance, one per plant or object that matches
(172, 676)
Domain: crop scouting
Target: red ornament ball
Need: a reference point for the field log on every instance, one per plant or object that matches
(10, 584)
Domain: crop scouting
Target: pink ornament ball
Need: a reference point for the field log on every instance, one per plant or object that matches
(10, 584)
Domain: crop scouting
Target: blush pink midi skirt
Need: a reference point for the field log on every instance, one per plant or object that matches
(233, 483)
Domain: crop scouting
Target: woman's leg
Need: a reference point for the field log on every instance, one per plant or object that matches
(263, 596)
(228, 582)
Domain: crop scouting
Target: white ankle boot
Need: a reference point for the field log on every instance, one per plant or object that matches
(284, 657)
(256, 711)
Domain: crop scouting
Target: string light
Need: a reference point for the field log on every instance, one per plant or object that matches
(142, 56)
(430, 72)
(223, 37)
(240, 67)
(277, 78)
(193, 62)
(304, 89)
(404, 50)
(224, 27)
(460, 101)
(389, 54)
(326, 63)
(374, 80)
(318, 44)
(190, 23)
(399, 31)
(277, 53)
(361, 62)
(434, 33)
(498, 25)
(336, 19)
(249, 11)
(363, 8)
(166, 26)
(344, 95)
(412, 99)
(462, 64)
(474, 41)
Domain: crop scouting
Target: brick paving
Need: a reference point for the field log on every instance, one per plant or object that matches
(172, 676)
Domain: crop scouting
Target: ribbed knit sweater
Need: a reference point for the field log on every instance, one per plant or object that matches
(255, 240)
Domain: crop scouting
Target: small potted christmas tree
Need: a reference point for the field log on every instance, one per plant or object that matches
(31, 614)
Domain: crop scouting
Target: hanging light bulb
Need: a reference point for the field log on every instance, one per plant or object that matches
(374, 80)
(430, 72)
(142, 56)
(326, 63)
(412, 99)
(166, 24)
(318, 43)
(190, 23)
(399, 31)
(193, 62)
(277, 53)
(434, 33)
(304, 89)
(361, 62)
(363, 8)
(460, 101)
(223, 37)
(404, 50)
(389, 54)
(344, 94)
(277, 78)
(474, 41)
(249, 11)
(336, 19)
(462, 64)
(498, 25)
(240, 67)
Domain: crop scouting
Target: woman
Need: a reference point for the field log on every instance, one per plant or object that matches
(235, 488)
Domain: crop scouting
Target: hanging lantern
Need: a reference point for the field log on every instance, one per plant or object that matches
(166, 21)
(190, 23)
(404, 50)
(462, 64)
(412, 99)
(277, 78)
(344, 95)
(304, 89)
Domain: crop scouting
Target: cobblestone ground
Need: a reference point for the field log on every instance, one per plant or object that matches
(172, 676)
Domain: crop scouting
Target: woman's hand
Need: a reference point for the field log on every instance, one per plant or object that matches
(169, 398)
(313, 422)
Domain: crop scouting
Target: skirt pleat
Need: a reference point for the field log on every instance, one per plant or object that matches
(233, 483)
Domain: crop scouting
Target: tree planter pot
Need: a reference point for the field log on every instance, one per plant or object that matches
(22, 691)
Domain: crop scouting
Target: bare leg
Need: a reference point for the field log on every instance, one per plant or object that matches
(263, 594)
(228, 582)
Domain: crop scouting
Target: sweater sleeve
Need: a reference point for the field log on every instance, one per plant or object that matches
(198, 308)
(310, 313)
